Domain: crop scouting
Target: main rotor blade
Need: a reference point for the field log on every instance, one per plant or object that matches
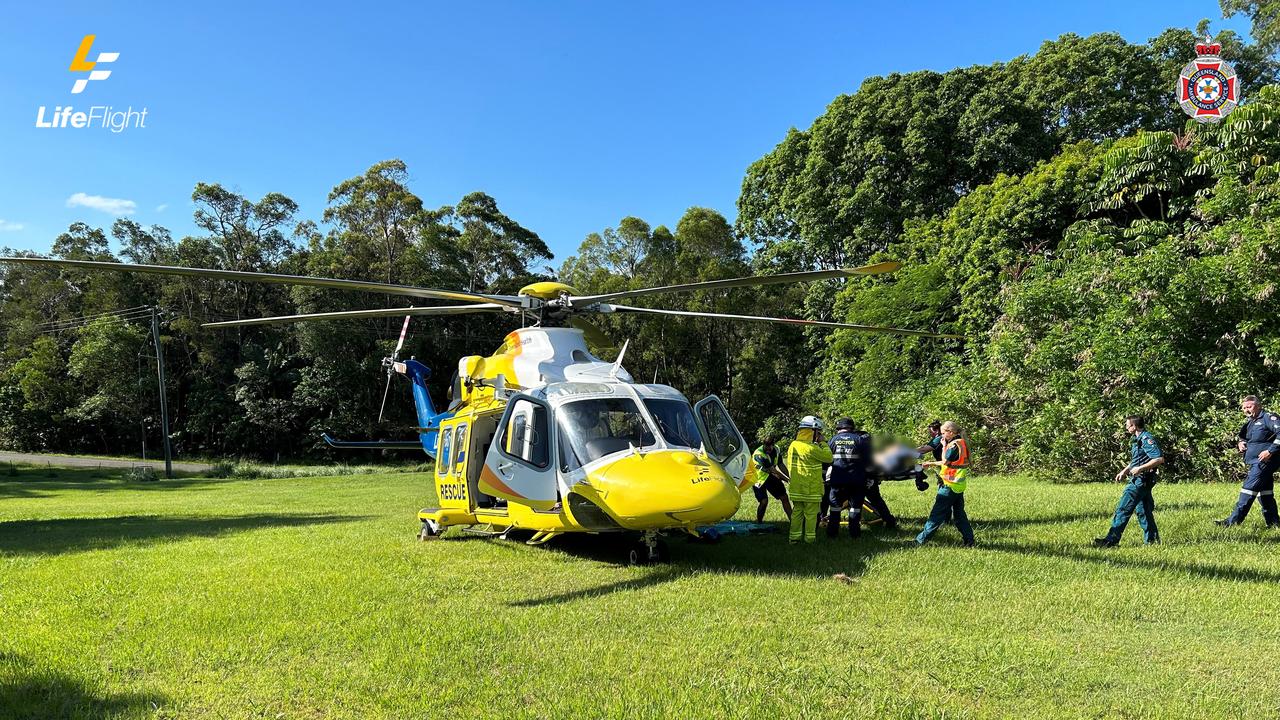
(355, 314)
(786, 321)
(362, 285)
(795, 277)
(593, 333)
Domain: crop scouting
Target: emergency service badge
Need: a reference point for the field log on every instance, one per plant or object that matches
(1207, 88)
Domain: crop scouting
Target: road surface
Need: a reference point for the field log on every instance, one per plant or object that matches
(80, 461)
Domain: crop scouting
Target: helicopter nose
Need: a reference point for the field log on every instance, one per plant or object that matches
(665, 489)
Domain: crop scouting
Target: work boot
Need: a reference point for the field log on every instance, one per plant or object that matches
(1104, 542)
(1224, 522)
(970, 543)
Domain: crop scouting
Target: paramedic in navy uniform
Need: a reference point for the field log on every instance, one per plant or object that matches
(1260, 443)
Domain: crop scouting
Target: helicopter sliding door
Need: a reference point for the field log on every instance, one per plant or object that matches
(721, 437)
(518, 466)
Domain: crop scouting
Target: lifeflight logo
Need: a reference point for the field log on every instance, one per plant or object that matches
(81, 63)
(97, 116)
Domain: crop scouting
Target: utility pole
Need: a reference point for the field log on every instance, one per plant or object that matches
(164, 403)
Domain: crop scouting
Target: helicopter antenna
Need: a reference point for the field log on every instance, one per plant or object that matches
(389, 364)
(617, 364)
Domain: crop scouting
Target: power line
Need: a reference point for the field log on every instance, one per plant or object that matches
(76, 325)
(92, 316)
(87, 321)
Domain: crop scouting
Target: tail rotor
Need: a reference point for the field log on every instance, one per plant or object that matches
(388, 363)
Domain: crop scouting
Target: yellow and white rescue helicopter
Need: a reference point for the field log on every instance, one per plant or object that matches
(544, 436)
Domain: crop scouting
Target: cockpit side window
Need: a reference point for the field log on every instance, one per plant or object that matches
(675, 421)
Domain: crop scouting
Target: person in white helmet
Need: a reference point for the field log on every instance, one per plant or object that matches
(806, 461)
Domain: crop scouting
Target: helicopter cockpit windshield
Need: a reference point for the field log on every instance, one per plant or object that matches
(593, 428)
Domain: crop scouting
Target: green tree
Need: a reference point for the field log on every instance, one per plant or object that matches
(36, 412)
(1265, 16)
(117, 394)
(496, 249)
(376, 212)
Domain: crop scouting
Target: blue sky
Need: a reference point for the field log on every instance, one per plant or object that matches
(573, 115)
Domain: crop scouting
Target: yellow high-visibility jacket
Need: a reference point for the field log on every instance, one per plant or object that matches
(804, 464)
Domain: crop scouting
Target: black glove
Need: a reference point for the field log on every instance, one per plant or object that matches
(921, 485)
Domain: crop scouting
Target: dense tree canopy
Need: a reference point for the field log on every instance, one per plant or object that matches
(73, 381)
(1127, 272)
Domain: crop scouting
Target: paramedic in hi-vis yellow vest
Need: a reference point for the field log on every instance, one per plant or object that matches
(806, 461)
(953, 473)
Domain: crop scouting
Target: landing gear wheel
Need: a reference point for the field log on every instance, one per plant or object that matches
(649, 549)
(638, 554)
(430, 529)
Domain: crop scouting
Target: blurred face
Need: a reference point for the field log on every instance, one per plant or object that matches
(1250, 408)
(1129, 427)
(949, 433)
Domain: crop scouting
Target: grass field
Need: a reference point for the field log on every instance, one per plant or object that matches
(312, 598)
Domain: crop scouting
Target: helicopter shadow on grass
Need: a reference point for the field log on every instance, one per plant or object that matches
(68, 535)
(759, 554)
(606, 548)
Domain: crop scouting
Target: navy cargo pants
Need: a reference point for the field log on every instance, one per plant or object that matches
(837, 496)
(1136, 499)
(1259, 485)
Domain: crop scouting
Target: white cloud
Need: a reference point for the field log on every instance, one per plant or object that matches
(162, 207)
(6, 226)
(110, 206)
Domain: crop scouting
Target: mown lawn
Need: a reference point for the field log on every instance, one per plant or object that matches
(312, 597)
